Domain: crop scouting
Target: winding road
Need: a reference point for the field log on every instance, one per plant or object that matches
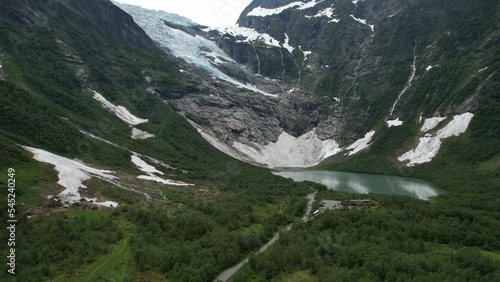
(226, 274)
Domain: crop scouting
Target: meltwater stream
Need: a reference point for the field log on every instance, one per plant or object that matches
(365, 183)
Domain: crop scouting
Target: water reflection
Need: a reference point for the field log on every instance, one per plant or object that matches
(365, 183)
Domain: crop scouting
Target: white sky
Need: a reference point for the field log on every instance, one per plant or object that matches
(206, 12)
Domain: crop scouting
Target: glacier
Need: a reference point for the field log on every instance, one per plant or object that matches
(289, 151)
(193, 49)
(169, 17)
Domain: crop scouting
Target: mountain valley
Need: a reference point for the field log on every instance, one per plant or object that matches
(137, 145)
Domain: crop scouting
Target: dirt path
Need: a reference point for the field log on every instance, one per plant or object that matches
(110, 258)
(226, 274)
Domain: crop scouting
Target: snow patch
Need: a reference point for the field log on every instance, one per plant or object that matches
(289, 151)
(394, 122)
(72, 174)
(120, 111)
(139, 134)
(163, 181)
(143, 166)
(286, 45)
(109, 204)
(330, 147)
(457, 126)
(428, 146)
(328, 12)
(264, 12)
(482, 69)
(429, 67)
(250, 35)
(361, 144)
(430, 123)
(151, 171)
(309, 4)
(306, 53)
(371, 26)
(355, 2)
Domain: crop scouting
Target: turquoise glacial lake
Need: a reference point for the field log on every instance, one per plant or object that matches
(364, 183)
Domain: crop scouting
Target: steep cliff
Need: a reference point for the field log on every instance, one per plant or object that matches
(334, 69)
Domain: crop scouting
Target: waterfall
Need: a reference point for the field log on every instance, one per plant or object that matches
(258, 59)
(410, 79)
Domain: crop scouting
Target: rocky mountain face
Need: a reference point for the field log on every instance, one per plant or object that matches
(330, 71)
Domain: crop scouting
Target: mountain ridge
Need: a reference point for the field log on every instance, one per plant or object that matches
(376, 73)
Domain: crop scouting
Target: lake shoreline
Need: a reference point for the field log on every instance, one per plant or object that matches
(364, 183)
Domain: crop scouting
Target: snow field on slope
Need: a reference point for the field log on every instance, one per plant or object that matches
(158, 162)
(72, 174)
(361, 144)
(151, 172)
(328, 12)
(120, 111)
(251, 36)
(428, 146)
(143, 166)
(394, 122)
(289, 151)
(139, 134)
(264, 12)
(123, 114)
(361, 21)
(430, 123)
